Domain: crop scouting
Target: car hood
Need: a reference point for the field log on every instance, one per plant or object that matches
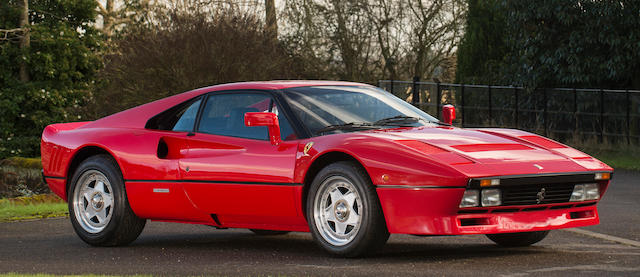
(487, 146)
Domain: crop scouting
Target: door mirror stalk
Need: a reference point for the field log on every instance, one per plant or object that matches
(252, 119)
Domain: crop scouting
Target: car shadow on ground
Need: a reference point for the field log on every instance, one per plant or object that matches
(300, 245)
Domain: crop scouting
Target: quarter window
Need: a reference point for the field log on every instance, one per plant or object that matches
(179, 118)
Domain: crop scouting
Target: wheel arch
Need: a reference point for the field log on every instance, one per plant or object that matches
(318, 164)
(82, 154)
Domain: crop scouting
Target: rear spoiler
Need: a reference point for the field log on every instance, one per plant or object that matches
(67, 126)
(54, 128)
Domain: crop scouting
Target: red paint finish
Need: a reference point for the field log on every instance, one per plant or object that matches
(435, 212)
(249, 183)
(491, 147)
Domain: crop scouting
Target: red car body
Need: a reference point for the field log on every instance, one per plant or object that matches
(420, 173)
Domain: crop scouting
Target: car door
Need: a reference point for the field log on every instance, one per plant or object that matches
(232, 171)
(154, 189)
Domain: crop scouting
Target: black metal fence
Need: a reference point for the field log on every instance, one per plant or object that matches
(561, 113)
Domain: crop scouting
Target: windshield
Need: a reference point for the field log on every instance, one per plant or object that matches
(330, 109)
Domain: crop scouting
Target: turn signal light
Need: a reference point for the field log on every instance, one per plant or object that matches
(489, 182)
(603, 176)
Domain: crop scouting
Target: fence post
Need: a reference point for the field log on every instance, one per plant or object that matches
(415, 92)
(515, 91)
(490, 108)
(628, 118)
(438, 98)
(462, 106)
(575, 108)
(544, 112)
(392, 87)
(601, 115)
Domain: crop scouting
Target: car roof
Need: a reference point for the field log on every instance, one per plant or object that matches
(137, 117)
(278, 84)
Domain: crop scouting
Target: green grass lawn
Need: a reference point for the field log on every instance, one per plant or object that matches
(11, 210)
(618, 160)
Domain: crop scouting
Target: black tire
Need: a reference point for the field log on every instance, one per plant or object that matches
(260, 232)
(124, 226)
(371, 233)
(518, 239)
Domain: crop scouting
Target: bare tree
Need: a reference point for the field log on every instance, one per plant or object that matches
(116, 13)
(387, 17)
(435, 31)
(368, 39)
(271, 22)
(337, 33)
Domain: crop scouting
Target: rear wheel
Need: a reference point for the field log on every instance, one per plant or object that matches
(518, 239)
(260, 232)
(343, 211)
(98, 205)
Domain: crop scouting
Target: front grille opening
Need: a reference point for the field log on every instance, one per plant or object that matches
(536, 194)
(581, 214)
(474, 221)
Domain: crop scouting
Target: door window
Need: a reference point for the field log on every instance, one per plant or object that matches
(223, 114)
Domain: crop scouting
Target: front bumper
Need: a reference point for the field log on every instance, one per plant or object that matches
(434, 211)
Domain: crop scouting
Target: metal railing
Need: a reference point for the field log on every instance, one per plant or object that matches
(562, 113)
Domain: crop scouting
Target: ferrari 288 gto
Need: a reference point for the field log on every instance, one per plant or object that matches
(348, 162)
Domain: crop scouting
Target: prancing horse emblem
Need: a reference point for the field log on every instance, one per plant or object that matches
(307, 147)
(541, 194)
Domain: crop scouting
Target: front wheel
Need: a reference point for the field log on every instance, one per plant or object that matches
(98, 205)
(518, 239)
(343, 211)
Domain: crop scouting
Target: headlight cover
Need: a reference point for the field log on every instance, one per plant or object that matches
(470, 199)
(583, 192)
(491, 197)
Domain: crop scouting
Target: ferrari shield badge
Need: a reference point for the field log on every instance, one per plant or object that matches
(307, 147)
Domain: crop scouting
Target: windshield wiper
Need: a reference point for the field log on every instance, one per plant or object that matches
(402, 120)
(346, 126)
(398, 120)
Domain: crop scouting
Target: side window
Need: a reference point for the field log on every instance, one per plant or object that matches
(223, 114)
(180, 118)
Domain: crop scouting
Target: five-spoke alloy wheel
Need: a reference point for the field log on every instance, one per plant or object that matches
(93, 201)
(98, 205)
(344, 212)
(337, 210)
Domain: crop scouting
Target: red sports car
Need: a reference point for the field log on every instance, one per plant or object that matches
(348, 162)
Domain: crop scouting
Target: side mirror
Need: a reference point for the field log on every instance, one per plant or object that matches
(270, 120)
(448, 114)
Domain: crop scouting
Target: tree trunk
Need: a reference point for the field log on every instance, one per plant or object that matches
(108, 19)
(25, 40)
(271, 26)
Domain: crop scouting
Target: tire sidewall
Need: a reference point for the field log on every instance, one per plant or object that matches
(345, 170)
(105, 166)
